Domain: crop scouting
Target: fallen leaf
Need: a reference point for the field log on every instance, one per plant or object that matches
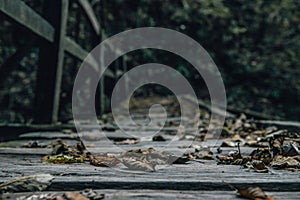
(262, 154)
(104, 161)
(288, 163)
(59, 147)
(255, 193)
(74, 196)
(63, 159)
(87, 194)
(158, 138)
(228, 144)
(92, 194)
(27, 183)
(47, 196)
(257, 166)
(202, 154)
(127, 141)
(291, 149)
(33, 144)
(178, 160)
(255, 143)
(135, 164)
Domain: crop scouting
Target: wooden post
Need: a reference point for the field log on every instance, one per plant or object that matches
(51, 64)
(124, 65)
(101, 93)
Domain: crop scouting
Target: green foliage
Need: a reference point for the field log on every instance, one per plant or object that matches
(255, 44)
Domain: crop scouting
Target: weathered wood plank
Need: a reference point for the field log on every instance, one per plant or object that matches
(292, 125)
(195, 176)
(91, 15)
(207, 176)
(13, 131)
(167, 194)
(25, 16)
(76, 50)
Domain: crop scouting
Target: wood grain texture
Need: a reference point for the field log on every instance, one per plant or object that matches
(91, 15)
(169, 194)
(25, 16)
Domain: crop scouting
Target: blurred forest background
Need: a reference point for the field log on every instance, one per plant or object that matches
(255, 44)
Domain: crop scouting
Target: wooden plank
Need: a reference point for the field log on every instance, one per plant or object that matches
(164, 194)
(293, 125)
(125, 69)
(51, 64)
(195, 176)
(25, 16)
(206, 176)
(91, 15)
(75, 49)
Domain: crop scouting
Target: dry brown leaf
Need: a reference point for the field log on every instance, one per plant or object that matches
(74, 196)
(158, 138)
(288, 163)
(225, 160)
(104, 161)
(202, 154)
(241, 161)
(255, 193)
(258, 166)
(291, 149)
(237, 138)
(33, 144)
(262, 154)
(59, 147)
(27, 183)
(255, 143)
(87, 194)
(92, 194)
(227, 143)
(135, 164)
(127, 141)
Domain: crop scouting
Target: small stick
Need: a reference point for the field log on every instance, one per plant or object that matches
(239, 149)
(231, 186)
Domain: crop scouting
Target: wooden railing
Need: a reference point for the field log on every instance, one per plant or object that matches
(51, 29)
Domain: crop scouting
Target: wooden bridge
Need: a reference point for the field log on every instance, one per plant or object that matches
(53, 43)
(49, 34)
(194, 181)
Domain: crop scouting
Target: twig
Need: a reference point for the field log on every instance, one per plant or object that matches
(231, 186)
(239, 149)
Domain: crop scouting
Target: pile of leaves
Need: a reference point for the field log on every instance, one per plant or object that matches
(87, 194)
(27, 183)
(277, 149)
(136, 159)
(64, 154)
(146, 160)
(252, 192)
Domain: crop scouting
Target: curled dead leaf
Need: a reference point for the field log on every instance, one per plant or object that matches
(104, 161)
(202, 154)
(288, 163)
(27, 183)
(127, 142)
(74, 196)
(63, 159)
(258, 166)
(135, 164)
(255, 193)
